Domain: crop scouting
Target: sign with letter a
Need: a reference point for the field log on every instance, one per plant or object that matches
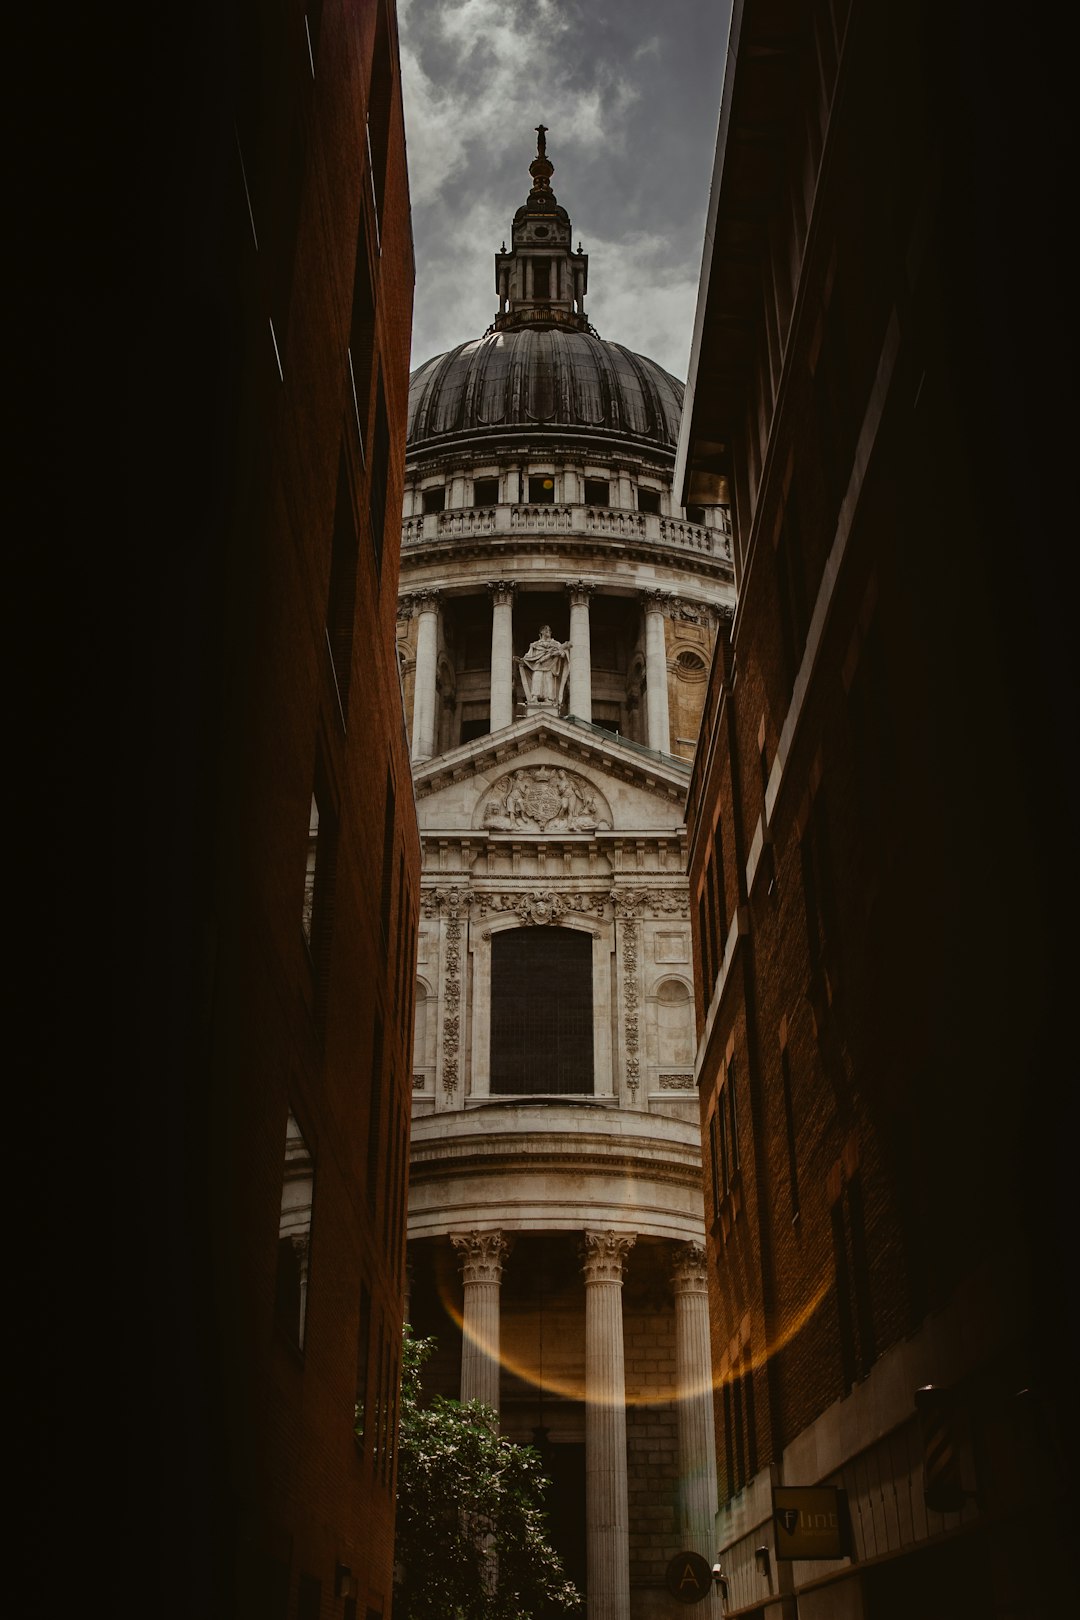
(688, 1577)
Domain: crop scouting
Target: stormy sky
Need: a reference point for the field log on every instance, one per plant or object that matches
(630, 91)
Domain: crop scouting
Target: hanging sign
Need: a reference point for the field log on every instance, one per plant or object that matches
(688, 1577)
(810, 1521)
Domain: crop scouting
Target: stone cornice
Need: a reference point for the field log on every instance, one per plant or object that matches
(498, 751)
(454, 551)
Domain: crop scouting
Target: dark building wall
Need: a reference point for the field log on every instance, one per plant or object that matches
(868, 760)
(231, 586)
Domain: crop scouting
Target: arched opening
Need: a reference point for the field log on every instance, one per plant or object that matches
(541, 1012)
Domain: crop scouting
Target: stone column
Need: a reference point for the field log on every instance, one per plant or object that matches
(607, 1511)
(656, 694)
(482, 1256)
(693, 1401)
(427, 652)
(580, 650)
(502, 652)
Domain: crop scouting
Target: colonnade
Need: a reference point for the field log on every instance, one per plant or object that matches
(426, 608)
(607, 1528)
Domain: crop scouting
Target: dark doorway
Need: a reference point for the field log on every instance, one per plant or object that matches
(541, 1012)
(565, 1466)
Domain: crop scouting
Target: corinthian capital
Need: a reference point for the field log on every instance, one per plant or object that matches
(481, 1255)
(690, 1269)
(579, 591)
(603, 1255)
(502, 590)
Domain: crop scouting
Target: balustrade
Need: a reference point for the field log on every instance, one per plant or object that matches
(468, 522)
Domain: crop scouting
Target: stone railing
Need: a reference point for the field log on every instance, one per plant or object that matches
(471, 522)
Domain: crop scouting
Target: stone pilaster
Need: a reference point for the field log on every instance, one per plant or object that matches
(606, 1497)
(426, 605)
(656, 678)
(502, 653)
(694, 1407)
(580, 649)
(482, 1256)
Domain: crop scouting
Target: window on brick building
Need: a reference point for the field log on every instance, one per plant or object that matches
(733, 1116)
(317, 911)
(377, 1083)
(307, 915)
(791, 589)
(818, 891)
(341, 600)
(294, 1235)
(789, 1121)
(308, 1597)
(363, 1368)
(379, 470)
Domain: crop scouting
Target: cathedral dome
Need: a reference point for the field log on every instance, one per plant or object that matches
(539, 378)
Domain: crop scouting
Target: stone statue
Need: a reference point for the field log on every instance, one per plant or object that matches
(544, 670)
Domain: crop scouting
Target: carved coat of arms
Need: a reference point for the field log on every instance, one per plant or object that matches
(545, 798)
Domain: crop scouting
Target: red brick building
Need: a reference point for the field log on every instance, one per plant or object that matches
(232, 716)
(877, 951)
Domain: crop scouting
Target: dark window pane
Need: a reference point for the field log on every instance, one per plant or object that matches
(542, 488)
(597, 492)
(648, 500)
(541, 1012)
(486, 492)
(435, 499)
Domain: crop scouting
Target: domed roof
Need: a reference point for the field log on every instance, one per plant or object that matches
(543, 378)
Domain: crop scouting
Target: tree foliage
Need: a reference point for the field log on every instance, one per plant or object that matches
(471, 1529)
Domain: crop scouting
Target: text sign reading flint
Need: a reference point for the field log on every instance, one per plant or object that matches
(688, 1577)
(809, 1521)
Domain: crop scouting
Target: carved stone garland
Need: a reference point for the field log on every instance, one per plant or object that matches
(451, 993)
(629, 930)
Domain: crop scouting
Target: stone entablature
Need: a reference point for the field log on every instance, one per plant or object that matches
(561, 1163)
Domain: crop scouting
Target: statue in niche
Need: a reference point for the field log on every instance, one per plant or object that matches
(543, 798)
(544, 670)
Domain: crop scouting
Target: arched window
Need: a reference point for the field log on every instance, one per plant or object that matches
(541, 1012)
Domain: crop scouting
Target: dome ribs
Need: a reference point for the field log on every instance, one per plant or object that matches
(533, 378)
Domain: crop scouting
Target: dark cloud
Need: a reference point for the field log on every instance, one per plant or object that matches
(631, 94)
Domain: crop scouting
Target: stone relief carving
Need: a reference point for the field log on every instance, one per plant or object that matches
(544, 798)
(541, 905)
(676, 1082)
(631, 903)
(450, 900)
(630, 1002)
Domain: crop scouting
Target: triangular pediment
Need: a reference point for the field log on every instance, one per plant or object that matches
(545, 776)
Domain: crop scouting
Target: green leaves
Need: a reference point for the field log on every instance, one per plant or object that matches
(471, 1529)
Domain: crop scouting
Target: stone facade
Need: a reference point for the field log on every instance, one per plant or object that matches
(556, 625)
